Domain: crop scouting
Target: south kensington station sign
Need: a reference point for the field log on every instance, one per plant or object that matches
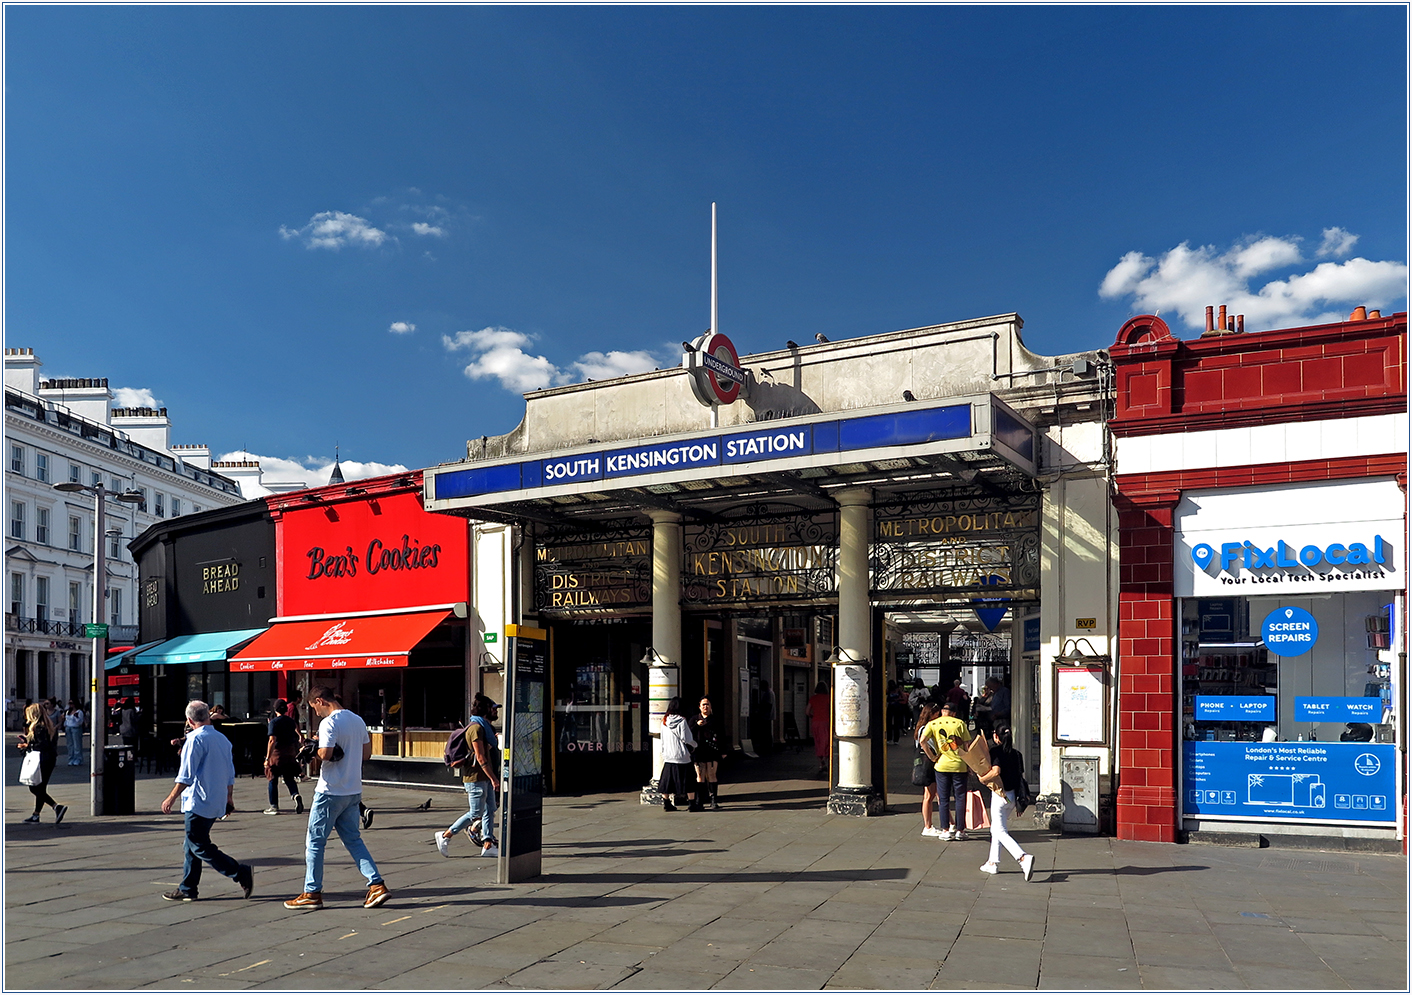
(971, 423)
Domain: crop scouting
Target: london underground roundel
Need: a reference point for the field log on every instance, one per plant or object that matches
(716, 374)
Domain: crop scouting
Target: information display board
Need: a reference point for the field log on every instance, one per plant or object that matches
(522, 808)
(1298, 782)
(1080, 706)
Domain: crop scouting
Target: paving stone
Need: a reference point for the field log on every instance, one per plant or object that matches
(752, 976)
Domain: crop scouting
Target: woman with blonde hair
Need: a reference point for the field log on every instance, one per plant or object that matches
(929, 795)
(39, 735)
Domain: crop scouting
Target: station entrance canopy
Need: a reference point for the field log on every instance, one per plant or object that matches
(943, 475)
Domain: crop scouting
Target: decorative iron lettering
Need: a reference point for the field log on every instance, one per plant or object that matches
(593, 573)
(948, 545)
(767, 553)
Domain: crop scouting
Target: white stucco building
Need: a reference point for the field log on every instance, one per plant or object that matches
(68, 430)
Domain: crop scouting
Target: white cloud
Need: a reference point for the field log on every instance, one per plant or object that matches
(606, 365)
(334, 230)
(312, 471)
(401, 328)
(499, 354)
(1337, 242)
(134, 397)
(422, 228)
(1184, 280)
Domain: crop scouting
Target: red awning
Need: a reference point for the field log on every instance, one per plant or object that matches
(338, 643)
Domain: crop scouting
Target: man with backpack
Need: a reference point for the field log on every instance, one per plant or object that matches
(475, 751)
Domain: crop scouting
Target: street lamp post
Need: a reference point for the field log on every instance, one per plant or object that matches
(98, 712)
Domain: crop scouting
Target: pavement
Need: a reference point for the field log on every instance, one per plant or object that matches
(771, 893)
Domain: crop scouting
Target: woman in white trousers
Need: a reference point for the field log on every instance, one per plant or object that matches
(1005, 759)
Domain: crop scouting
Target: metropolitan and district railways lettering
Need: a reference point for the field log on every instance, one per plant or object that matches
(954, 523)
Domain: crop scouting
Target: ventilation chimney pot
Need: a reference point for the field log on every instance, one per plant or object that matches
(1375, 313)
(1210, 318)
(1360, 313)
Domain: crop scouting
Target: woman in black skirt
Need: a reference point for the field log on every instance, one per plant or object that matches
(707, 756)
(678, 779)
(39, 736)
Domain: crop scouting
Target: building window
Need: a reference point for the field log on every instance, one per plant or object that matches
(196, 509)
(75, 601)
(176, 507)
(41, 525)
(17, 594)
(41, 598)
(41, 467)
(115, 548)
(95, 478)
(17, 459)
(75, 534)
(75, 472)
(115, 606)
(17, 519)
(159, 506)
(142, 493)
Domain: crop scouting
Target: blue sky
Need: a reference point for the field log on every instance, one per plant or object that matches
(372, 226)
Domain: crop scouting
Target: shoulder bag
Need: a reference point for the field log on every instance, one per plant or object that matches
(29, 769)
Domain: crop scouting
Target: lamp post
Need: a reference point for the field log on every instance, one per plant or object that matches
(98, 714)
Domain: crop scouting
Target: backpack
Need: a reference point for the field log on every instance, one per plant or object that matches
(457, 752)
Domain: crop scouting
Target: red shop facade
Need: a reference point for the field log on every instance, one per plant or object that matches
(1261, 485)
(373, 596)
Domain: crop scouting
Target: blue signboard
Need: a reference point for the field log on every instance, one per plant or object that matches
(1329, 782)
(1311, 709)
(758, 445)
(1031, 634)
(1234, 708)
(1289, 632)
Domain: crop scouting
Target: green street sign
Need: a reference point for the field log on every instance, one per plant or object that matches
(95, 630)
(492, 637)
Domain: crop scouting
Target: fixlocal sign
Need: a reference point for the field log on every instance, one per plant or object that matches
(822, 440)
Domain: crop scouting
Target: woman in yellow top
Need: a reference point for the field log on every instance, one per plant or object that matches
(947, 735)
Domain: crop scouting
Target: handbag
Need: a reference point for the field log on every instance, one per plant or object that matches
(922, 772)
(1023, 797)
(30, 773)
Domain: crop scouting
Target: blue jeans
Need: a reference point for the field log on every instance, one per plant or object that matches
(329, 813)
(480, 799)
(951, 788)
(74, 737)
(198, 847)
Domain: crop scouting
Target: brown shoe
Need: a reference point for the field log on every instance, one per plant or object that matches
(377, 895)
(306, 900)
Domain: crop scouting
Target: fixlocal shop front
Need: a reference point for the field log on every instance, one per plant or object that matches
(1290, 601)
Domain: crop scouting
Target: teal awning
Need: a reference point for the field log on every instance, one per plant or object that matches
(201, 648)
(118, 659)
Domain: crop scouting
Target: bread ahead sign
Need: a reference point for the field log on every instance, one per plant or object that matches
(714, 365)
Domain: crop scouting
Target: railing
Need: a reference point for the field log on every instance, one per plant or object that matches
(53, 627)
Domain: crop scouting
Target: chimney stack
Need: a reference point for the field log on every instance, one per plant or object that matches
(1210, 319)
(1360, 313)
(1240, 324)
(1375, 313)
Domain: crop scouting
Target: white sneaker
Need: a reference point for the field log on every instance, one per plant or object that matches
(272, 811)
(990, 868)
(931, 831)
(1027, 865)
(490, 851)
(945, 834)
(443, 845)
(960, 834)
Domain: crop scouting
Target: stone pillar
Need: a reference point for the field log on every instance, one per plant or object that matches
(853, 792)
(666, 623)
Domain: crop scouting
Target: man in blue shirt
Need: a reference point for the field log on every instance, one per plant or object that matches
(205, 783)
(344, 744)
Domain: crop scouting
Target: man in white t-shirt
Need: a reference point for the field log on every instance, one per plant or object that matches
(344, 744)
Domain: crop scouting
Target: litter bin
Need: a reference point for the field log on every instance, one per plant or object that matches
(119, 779)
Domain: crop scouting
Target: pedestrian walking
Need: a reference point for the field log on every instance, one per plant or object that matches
(1011, 767)
(999, 702)
(929, 712)
(281, 758)
(707, 756)
(344, 745)
(205, 784)
(73, 733)
(38, 737)
(480, 775)
(127, 722)
(817, 709)
(946, 735)
(678, 777)
(960, 700)
(896, 712)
